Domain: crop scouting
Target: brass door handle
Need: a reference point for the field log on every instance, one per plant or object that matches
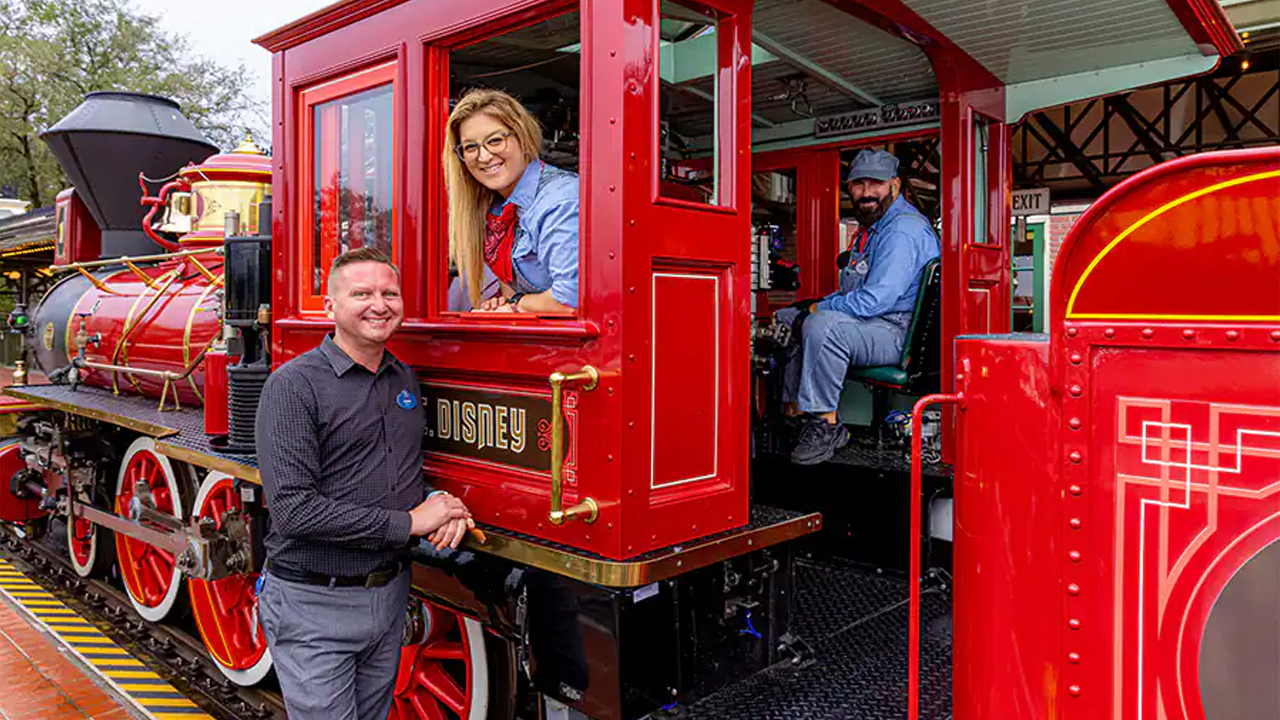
(587, 510)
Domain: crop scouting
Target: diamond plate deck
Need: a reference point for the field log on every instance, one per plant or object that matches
(870, 452)
(178, 433)
(856, 625)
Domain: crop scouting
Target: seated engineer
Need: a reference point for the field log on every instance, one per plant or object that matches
(511, 215)
(864, 323)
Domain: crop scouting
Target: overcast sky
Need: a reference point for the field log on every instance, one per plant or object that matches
(224, 31)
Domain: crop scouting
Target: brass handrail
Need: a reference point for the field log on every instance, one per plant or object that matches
(587, 510)
(125, 259)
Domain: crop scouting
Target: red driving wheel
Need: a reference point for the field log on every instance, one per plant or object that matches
(446, 676)
(149, 573)
(224, 608)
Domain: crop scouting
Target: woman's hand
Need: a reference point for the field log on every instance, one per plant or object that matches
(496, 303)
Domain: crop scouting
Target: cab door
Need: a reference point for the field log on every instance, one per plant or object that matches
(687, 273)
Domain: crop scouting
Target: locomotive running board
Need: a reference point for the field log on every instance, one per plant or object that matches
(179, 434)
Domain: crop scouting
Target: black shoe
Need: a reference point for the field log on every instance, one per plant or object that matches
(819, 440)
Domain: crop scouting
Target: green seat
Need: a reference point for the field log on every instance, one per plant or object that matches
(918, 371)
(882, 375)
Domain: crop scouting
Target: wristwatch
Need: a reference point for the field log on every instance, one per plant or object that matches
(514, 301)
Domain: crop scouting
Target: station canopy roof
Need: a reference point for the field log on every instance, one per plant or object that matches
(1046, 52)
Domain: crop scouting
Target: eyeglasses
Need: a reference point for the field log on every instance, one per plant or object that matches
(495, 144)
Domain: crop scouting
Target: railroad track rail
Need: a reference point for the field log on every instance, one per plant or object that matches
(174, 654)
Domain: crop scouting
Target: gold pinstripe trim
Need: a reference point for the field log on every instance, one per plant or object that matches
(1071, 314)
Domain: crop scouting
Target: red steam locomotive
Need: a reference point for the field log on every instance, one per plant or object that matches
(650, 553)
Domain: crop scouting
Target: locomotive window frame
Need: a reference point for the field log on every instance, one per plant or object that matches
(348, 84)
(437, 49)
(724, 200)
(988, 136)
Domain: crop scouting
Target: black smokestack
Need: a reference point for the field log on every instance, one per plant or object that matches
(106, 141)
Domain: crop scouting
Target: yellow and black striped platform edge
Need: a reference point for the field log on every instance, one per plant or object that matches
(146, 690)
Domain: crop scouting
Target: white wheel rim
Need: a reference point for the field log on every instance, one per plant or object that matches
(86, 569)
(141, 445)
(255, 673)
(479, 670)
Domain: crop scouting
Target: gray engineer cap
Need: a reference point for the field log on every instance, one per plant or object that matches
(873, 164)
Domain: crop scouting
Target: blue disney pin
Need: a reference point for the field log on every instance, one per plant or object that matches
(406, 400)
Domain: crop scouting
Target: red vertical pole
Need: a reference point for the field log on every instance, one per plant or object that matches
(913, 578)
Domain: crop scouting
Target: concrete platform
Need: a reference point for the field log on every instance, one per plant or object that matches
(55, 664)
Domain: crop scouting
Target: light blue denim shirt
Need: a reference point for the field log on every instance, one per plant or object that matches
(545, 252)
(900, 245)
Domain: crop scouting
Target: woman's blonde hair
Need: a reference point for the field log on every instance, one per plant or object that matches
(468, 199)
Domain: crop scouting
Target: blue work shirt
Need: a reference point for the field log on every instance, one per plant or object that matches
(545, 252)
(899, 245)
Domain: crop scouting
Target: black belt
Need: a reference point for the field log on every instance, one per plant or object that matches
(379, 577)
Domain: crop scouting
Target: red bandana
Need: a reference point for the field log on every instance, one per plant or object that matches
(500, 236)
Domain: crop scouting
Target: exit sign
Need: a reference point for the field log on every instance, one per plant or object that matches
(1031, 202)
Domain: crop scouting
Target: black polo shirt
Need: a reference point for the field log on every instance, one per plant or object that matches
(340, 452)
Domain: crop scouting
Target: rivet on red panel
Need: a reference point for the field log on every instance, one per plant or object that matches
(1074, 423)
(1073, 589)
(959, 377)
(1075, 390)
(632, 357)
(1075, 556)
(1109, 332)
(613, 188)
(1073, 658)
(631, 424)
(611, 255)
(1233, 335)
(610, 391)
(613, 53)
(632, 289)
(1188, 333)
(609, 458)
(1075, 690)
(633, 223)
(1275, 335)
(1076, 524)
(1074, 623)
(1071, 332)
(1147, 333)
(1076, 358)
(613, 121)
(1076, 456)
(1075, 489)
